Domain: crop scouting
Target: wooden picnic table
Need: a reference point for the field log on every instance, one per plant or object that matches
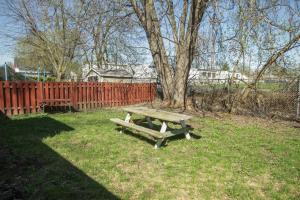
(152, 114)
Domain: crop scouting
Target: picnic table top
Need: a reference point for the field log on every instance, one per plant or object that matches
(158, 114)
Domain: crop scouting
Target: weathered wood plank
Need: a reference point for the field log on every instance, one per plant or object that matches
(151, 132)
(14, 99)
(21, 98)
(2, 108)
(7, 97)
(158, 114)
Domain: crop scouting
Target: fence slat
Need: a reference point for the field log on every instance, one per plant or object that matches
(2, 109)
(14, 99)
(88, 95)
(39, 93)
(27, 97)
(32, 97)
(46, 88)
(7, 98)
(73, 96)
(80, 96)
(84, 95)
(102, 89)
(51, 93)
(20, 97)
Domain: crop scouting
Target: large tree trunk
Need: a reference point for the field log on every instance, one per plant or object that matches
(152, 29)
(161, 62)
(185, 32)
(180, 85)
(179, 96)
(58, 76)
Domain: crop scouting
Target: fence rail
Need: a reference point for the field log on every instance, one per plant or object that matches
(20, 97)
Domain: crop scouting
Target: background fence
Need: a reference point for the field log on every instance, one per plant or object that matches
(271, 98)
(19, 97)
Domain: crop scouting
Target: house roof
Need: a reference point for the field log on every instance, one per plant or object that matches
(116, 73)
(139, 71)
(120, 73)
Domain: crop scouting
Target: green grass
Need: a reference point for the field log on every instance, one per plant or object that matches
(271, 86)
(83, 156)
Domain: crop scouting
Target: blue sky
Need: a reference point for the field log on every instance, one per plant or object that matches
(6, 43)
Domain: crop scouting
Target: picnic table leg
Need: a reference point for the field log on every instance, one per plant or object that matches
(162, 130)
(70, 108)
(163, 127)
(158, 143)
(127, 119)
(186, 131)
(43, 107)
(149, 122)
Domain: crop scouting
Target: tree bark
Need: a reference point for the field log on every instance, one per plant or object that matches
(180, 85)
(152, 28)
(161, 62)
(58, 76)
(275, 56)
(185, 52)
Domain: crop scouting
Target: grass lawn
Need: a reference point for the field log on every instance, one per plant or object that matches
(83, 156)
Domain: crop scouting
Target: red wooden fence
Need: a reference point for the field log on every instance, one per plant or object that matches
(19, 97)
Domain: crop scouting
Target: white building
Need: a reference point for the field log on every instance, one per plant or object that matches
(32, 73)
(119, 73)
(215, 76)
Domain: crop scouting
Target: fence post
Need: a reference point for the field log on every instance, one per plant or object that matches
(74, 95)
(40, 95)
(2, 109)
(7, 95)
(298, 100)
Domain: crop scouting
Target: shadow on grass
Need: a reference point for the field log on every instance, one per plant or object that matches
(3, 116)
(151, 140)
(59, 109)
(29, 169)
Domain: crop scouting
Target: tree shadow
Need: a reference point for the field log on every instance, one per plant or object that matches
(3, 116)
(29, 169)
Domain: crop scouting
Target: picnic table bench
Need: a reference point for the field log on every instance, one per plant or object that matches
(50, 102)
(152, 114)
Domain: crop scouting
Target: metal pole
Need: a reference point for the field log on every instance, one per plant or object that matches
(298, 100)
(5, 71)
(44, 74)
(38, 74)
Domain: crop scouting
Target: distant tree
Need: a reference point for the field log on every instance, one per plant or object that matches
(263, 35)
(225, 66)
(108, 28)
(28, 56)
(52, 31)
(31, 57)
